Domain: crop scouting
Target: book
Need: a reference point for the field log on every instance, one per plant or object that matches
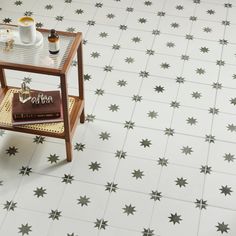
(28, 111)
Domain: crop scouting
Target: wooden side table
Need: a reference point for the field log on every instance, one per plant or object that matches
(38, 60)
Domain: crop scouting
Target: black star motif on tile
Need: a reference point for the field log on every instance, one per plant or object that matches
(210, 138)
(231, 127)
(147, 232)
(1, 182)
(145, 143)
(90, 118)
(25, 229)
(129, 60)
(201, 204)
(110, 16)
(116, 46)
(213, 110)
(200, 71)
(205, 169)
(53, 158)
(159, 89)
(228, 5)
(180, 80)
(136, 39)
(191, 121)
(111, 187)
(169, 132)
(170, 45)
(83, 200)
(233, 101)
(210, 12)
(129, 9)
(147, 3)
(143, 74)
(220, 62)
(122, 83)
(161, 13)
(7, 20)
(229, 157)
(40, 192)
(142, 20)
(11, 151)
(120, 154)
(39, 139)
(108, 68)
(48, 7)
(181, 182)
(18, 3)
(10, 205)
(193, 18)
(217, 85)
(185, 57)
(104, 136)
(174, 25)
(222, 227)
(152, 114)
(150, 52)
(207, 29)
(79, 11)
(155, 32)
(226, 190)
(223, 41)
(179, 7)
(189, 37)
(101, 224)
(204, 49)
(175, 104)
(55, 214)
(113, 107)
(25, 170)
(123, 27)
(187, 150)
(162, 161)
(137, 98)
(175, 218)
(137, 174)
(165, 65)
(91, 22)
(196, 95)
(129, 209)
(28, 13)
(155, 195)
(94, 166)
(67, 179)
(129, 124)
(79, 146)
(59, 18)
(95, 54)
(98, 4)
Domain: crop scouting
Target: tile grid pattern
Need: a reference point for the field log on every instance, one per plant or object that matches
(168, 216)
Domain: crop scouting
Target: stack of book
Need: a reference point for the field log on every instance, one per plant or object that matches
(32, 113)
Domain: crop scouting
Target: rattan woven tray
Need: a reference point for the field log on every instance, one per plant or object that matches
(6, 115)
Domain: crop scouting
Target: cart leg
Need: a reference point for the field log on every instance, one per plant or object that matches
(68, 151)
(2, 78)
(82, 117)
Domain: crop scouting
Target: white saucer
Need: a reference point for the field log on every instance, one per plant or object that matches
(14, 34)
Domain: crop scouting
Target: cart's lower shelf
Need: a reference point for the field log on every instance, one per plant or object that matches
(56, 129)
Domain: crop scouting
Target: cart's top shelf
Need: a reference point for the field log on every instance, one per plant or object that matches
(39, 56)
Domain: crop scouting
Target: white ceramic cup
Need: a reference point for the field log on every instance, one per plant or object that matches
(27, 29)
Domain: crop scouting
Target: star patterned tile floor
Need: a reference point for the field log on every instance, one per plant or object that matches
(157, 154)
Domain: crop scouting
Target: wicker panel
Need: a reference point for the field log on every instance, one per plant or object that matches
(6, 116)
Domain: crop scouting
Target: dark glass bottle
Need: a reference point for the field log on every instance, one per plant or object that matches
(53, 40)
